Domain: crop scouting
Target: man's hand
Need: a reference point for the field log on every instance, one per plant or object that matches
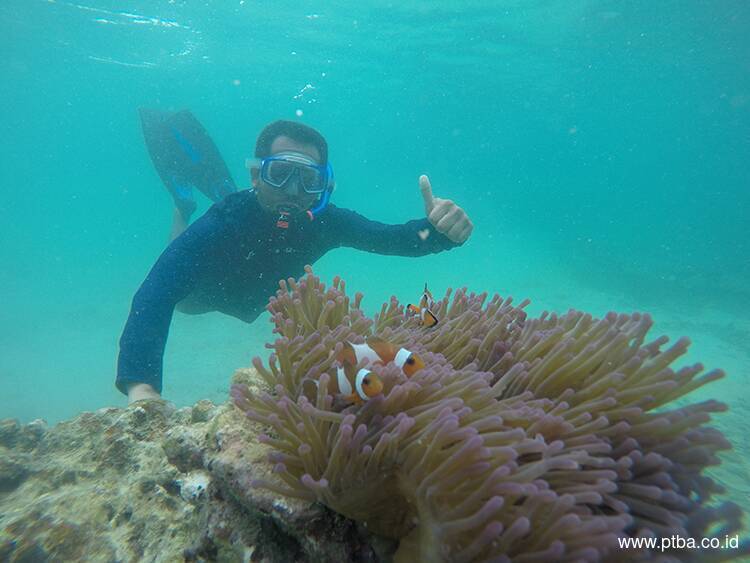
(447, 217)
(141, 391)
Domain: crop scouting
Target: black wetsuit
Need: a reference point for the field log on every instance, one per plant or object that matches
(231, 260)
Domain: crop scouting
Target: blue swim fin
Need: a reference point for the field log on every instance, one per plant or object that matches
(185, 158)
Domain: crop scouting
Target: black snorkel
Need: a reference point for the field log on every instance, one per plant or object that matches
(325, 197)
(286, 212)
(322, 203)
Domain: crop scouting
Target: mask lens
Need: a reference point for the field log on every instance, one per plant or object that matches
(311, 179)
(277, 172)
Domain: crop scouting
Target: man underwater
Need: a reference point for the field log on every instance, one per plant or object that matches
(232, 258)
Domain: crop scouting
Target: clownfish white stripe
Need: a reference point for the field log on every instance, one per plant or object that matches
(361, 374)
(401, 357)
(363, 351)
(345, 388)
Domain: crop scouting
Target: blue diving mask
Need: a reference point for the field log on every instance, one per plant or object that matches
(279, 169)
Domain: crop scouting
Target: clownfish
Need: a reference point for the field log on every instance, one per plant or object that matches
(356, 387)
(379, 351)
(426, 317)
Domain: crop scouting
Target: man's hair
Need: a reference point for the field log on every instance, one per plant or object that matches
(296, 131)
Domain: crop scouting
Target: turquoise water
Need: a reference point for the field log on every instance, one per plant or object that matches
(600, 148)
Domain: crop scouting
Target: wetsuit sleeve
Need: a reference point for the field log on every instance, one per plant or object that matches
(413, 238)
(170, 280)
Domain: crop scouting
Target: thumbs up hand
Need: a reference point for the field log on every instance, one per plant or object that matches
(447, 217)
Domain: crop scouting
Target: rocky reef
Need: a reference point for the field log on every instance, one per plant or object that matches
(155, 483)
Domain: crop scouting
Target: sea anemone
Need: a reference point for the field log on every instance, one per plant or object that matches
(523, 439)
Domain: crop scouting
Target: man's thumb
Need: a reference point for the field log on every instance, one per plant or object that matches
(426, 189)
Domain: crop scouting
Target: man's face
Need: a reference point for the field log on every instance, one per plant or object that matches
(290, 195)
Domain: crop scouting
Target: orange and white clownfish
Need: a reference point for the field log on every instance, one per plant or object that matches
(379, 351)
(356, 386)
(426, 317)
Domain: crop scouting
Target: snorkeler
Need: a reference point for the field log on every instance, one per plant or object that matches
(231, 259)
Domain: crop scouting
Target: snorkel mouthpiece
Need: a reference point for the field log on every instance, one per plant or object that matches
(285, 214)
(282, 221)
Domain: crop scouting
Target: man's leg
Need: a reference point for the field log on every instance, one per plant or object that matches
(178, 225)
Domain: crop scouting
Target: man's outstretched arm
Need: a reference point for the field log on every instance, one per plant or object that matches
(139, 365)
(445, 226)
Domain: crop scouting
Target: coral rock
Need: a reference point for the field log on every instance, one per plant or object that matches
(151, 483)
